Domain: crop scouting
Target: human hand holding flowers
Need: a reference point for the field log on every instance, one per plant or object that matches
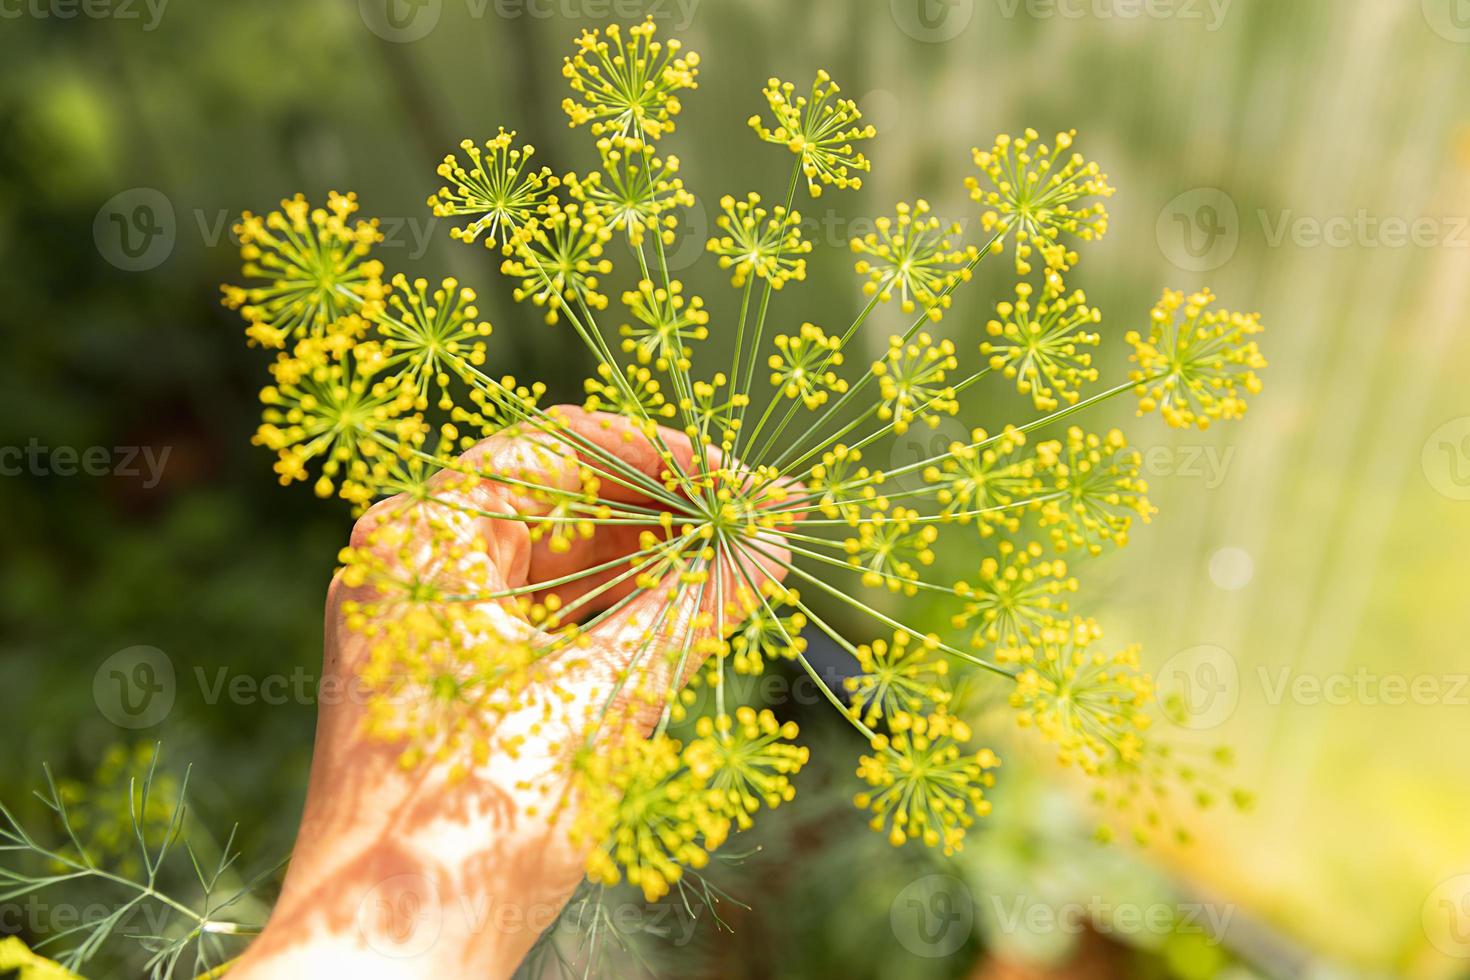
(405, 859)
(639, 526)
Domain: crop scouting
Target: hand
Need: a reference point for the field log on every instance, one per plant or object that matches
(413, 872)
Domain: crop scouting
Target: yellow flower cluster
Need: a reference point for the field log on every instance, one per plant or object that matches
(499, 190)
(765, 244)
(707, 525)
(1037, 194)
(926, 785)
(911, 381)
(804, 365)
(914, 254)
(312, 265)
(820, 129)
(1198, 367)
(1039, 345)
(652, 807)
(628, 86)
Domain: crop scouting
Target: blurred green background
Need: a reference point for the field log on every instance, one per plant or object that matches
(1304, 590)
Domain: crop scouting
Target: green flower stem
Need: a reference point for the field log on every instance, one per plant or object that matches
(643, 648)
(644, 483)
(683, 386)
(760, 320)
(837, 702)
(616, 506)
(950, 517)
(1037, 423)
(758, 456)
(831, 411)
(829, 560)
(893, 623)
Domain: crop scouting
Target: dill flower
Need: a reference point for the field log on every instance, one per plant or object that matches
(1038, 194)
(634, 188)
(915, 254)
(560, 261)
(325, 408)
(500, 191)
(756, 242)
(820, 129)
(1089, 705)
(1199, 367)
(925, 786)
(427, 339)
(911, 381)
(843, 484)
(766, 633)
(896, 677)
(666, 321)
(628, 86)
(1099, 490)
(746, 761)
(1039, 346)
(804, 364)
(1015, 596)
(440, 685)
(988, 482)
(312, 266)
(888, 548)
(644, 812)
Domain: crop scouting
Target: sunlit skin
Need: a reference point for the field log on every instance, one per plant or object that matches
(379, 840)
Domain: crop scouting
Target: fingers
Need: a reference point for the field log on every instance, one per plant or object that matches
(651, 646)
